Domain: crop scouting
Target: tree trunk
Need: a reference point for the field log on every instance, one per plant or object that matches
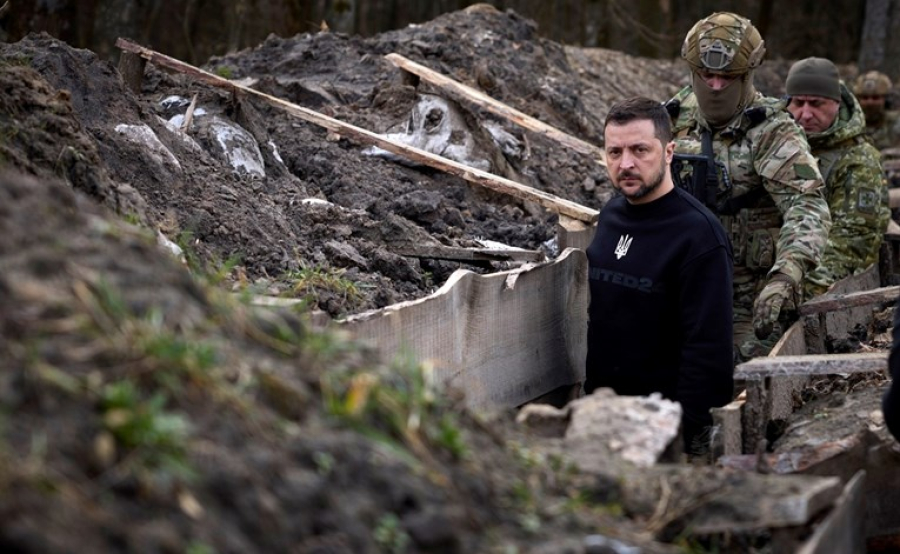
(889, 64)
(874, 36)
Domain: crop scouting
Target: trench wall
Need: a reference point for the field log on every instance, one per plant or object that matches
(503, 339)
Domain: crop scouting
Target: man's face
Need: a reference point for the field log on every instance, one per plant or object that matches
(716, 81)
(636, 160)
(814, 113)
(872, 105)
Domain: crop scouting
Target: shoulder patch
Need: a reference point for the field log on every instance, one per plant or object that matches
(805, 172)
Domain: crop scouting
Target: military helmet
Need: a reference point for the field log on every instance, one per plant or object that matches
(724, 42)
(872, 83)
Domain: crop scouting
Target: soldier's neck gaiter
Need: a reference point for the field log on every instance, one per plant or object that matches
(718, 107)
(874, 114)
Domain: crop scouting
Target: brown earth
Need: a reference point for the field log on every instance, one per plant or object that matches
(144, 410)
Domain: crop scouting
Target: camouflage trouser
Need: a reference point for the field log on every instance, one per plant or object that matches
(747, 286)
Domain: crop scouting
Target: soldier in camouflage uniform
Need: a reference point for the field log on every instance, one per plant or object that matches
(882, 125)
(771, 201)
(855, 187)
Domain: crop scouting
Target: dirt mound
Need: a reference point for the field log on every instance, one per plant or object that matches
(263, 222)
(148, 413)
(145, 409)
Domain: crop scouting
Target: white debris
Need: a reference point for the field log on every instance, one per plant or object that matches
(506, 141)
(185, 138)
(170, 246)
(438, 127)
(599, 544)
(275, 153)
(174, 102)
(494, 245)
(177, 121)
(316, 202)
(239, 147)
(144, 136)
(638, 429)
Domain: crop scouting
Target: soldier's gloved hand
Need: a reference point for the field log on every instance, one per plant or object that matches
(780, 293)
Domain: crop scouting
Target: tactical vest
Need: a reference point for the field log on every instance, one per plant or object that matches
(748, 215)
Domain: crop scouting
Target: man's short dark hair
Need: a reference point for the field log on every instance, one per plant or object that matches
(638, 108)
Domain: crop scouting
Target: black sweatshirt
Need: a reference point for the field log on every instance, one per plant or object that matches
(660, 315)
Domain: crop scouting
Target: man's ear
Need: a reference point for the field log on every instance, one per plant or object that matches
(670, 151)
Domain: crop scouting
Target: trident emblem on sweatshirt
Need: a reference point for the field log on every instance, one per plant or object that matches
(623, 246)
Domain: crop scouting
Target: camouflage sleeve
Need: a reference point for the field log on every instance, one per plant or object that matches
(857, 198)
(893, 133)
(791, 176)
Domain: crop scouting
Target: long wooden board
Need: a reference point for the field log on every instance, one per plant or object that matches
(463, 92)
(830, 303)
(363, 136)
(476, 254)
(823, 364)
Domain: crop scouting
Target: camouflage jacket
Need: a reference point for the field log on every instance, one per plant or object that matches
(856, 192)
(784, 226)
(885, 133)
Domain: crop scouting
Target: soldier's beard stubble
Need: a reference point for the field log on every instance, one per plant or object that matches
(647, 186)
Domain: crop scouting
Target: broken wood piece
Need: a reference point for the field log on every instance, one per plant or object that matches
(131, 68)
(726, 438)
(724, 501)
(466, 93)
(572, 233)
(819, 364)
(189, 115)
(830, 302)
(894, 198)
(844, 529)
(464, 254)
(363, 136)
(784, 501)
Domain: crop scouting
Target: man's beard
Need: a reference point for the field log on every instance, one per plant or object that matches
(646, 186)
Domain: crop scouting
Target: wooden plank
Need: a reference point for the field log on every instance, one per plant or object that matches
(755, 416)
(843, 530)
(818, 364)
(571, 233)
(131, 68)
(830, 302)
(461, 92)
(727, 436)
(792, 342)
(503, 339)
(363, 136)
(777, 501)
(462, 254)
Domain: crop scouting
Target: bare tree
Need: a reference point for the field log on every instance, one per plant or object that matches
(875, 34)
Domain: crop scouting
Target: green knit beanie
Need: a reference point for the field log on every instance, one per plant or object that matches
(814, 77)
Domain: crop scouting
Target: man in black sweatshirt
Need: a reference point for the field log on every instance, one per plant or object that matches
(660, 270)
